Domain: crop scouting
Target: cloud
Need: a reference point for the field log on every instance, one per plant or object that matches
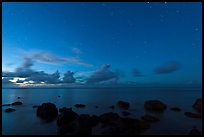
(46, 57)
(168, 68)
(76, 50)
(25, 71)
(137, 73)
(69, 77)
(102, 74)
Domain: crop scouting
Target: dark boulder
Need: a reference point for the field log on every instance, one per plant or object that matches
(195, 131)
(94, 120)
(59, 96)
(84, 126)
(47, 111)
(125, 113)
(80, 105)
(9, 110)
(198, 105)
(18, 97)
(67, 116)
(123, 105)
(175, 109)
(155, 105)
(16, 103)
(109, 118)
(193, 115)
(150, 118)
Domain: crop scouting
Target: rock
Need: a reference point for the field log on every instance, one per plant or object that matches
(195, 131)
(67, 116)
(59, 96)
(150, 118)
(155, 105)
(47, 111)
(198, 105)
(9, 110)
(80, 105)
(123, 105)
(112, 131)
(125, 113)
(84, 126)
(94, 120)
(6, 105)
(112, 107)
(193, 115)
(176, 109)
(128, 123)
(142, 125)
(96, 106)
(18, 97)
(35, 106)
(16, 103)
(109, 118)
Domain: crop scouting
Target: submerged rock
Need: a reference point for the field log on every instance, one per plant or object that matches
(155, 105)
(80, 105)
(47, 111)
(18, 97)
(193, 115)
(123, 105)
(6, 105)
(198, 105)
(176, 109)
(16, 103)
(125, 113)
(96, 106)
(195, 131)
(150, 118)
(59, 96)
(112, 107)
(35, 106)
(9, 110)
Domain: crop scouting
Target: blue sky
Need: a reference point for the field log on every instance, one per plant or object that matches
(139, 37)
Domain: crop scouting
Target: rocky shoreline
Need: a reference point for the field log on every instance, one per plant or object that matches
(71, 123)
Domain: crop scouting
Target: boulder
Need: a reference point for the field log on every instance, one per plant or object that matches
(155, 105)
(47, 111)
(175, 109)
(150, 118)
(84, 126)
(16, 103)
(125, 113)
(198, 105)
(59, 96)
(195, 131)
(18, 97)
(9, 110)
(94, 120)
(80, 105)
(96, 106)
(193, 115)
(123, 105)
(109, 118)
(67, 116)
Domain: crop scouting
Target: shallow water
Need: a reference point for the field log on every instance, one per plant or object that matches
(24, 121)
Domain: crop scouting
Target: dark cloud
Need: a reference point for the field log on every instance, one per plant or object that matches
(69, 77)
(168, 68)
(102, 74)
(37, 77)
(137, 73)
(20, 81)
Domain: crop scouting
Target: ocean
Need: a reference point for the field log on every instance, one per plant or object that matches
(24, 121)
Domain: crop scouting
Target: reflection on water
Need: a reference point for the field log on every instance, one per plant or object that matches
(24, 120)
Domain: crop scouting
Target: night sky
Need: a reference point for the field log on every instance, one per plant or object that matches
(102, 43)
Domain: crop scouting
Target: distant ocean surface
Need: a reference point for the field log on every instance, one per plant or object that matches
(24, 121)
